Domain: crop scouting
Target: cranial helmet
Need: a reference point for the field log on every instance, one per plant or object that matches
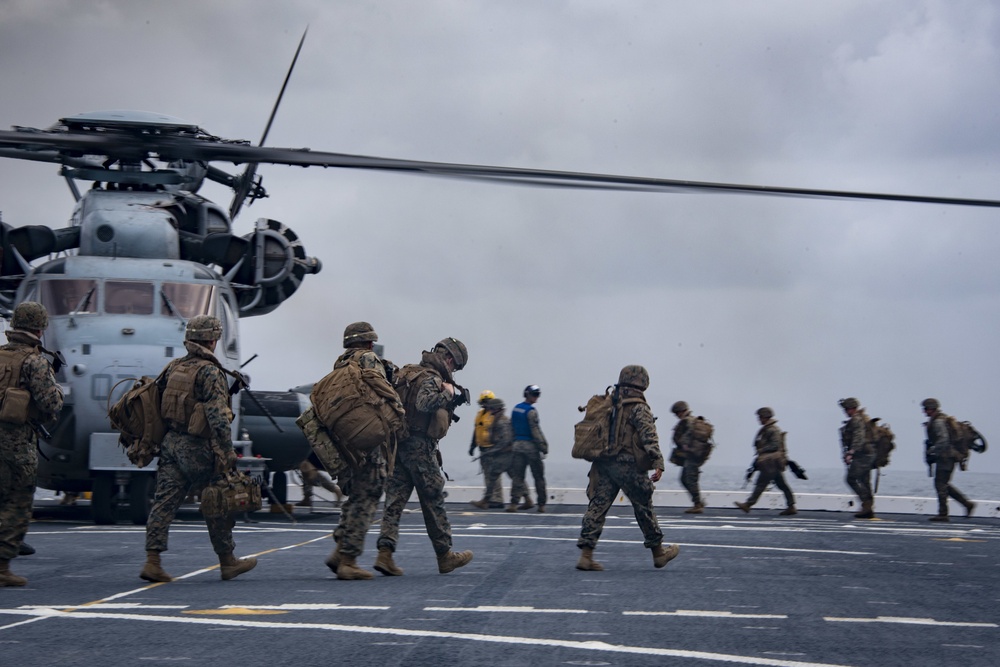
(486, 396)
(30, 316)
(679, 407)
(456, 350)
(359, 332)
(532, 390)
(931, 404)
(765, 413)
(634, 376)
(203, 328)
(850, 403)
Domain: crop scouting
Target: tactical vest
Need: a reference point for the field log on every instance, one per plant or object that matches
(17, 405)
(519, 420)
(484, 429)
(178, 405)
(430, 424)
(627, 438)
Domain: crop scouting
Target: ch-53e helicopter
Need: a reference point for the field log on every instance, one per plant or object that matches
(144, 252)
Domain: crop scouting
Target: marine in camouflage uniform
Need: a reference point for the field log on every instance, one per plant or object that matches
(497, 457)
(943, 457)
(691, 454)
(430, 396)
(772, 458)
(19, 442)
(530, 449)
(188, 462)
(636, 449)
(859, 455)
(364, 483)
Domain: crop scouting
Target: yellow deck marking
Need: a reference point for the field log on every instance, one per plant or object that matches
(233, 611)
(955, 539)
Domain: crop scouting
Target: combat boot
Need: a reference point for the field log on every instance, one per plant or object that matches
(348, 569)
(662, 556)
(305, 502)
(453, 560)
(698, 508)
(8, 578)
(481, 504)
(152, 570)
(744, 506)
(939, 517)
(231, 567)
(386, 565)
(512, 507)
(788, 511)
(26, 549)
(969, 507)
(527, 504)
(587, 561)
(866, 512)
(333, 560)
(541, 509)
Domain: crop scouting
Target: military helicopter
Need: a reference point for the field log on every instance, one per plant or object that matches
(144, 252)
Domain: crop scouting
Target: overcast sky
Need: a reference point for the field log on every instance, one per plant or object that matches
(731, 302)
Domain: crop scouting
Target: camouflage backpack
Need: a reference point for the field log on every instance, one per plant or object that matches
(592, 436)
(883, 441)
(136, 416)
(701, 431)
(964, 438)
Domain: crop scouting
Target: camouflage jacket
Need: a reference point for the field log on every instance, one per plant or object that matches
(636, 432)
(938, 438)
(770, 442)
(683, 437)
(501, 435)
(39, 380)
(854, 435)
(426, 401)
(211, 390)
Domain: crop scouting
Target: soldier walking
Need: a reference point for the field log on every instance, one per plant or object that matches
(189, 459)
(22, 369)
(634, 451)
(943, 457)
(859, 455)
(495, 452)
(691, 453)
(530, 449)
(430, 396)
(772, 457)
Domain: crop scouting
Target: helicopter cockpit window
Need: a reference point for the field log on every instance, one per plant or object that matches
(63, 297)
(188, 299)
(127, 297)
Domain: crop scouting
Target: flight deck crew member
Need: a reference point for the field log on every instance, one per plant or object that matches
(859, 455)
(634, 451)
(365, 482)
(24, 368)
(772, 457)
(943, 457)
(530, 449)
(430, 396)
(495, 454)
(189, 461)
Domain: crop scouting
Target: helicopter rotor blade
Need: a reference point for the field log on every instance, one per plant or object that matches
(246, 181)
(137, 146)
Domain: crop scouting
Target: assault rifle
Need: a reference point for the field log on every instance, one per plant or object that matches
(797, 470)
(461, 397)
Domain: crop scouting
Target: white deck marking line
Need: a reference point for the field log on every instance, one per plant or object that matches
(911, 621)
(694, 612)
(523, 610)
(592, 645)
(302, 607)
(683, 544)
(119, 605)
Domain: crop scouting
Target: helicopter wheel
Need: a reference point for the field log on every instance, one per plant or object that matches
(140, 496)
(104, 501)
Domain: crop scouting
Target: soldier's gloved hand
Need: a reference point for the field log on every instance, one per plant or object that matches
(472, 449)
(227, 463)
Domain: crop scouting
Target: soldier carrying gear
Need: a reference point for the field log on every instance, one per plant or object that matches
(859, 455)
(941, 455)
(692, 445)
(456, 350)
(772, 457)
(493, 436)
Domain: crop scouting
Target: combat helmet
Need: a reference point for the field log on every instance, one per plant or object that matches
(679, 408)
(359, 332)
(634, 375)
(203, 328)
(931, 404)
(456, 349)
(850, 403)
(765, 413)
(30, 316)
(494, 403)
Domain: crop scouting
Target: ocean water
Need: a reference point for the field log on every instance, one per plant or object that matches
(979, 486)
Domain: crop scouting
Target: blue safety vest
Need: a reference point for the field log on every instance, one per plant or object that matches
(519, 420)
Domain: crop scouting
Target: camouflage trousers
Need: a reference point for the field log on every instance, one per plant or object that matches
(416, 468)
(859, 476)
(363, 487)
(518, 469)
(607, 478)
(186, 466)
(494, 466)
(690, 472)
(771, 471)
(18, 464)
(943, 470)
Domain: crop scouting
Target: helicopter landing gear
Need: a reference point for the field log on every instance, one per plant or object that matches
(140, 496)
(104, 500)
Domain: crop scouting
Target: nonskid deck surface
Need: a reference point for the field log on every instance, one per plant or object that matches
(818, 588)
